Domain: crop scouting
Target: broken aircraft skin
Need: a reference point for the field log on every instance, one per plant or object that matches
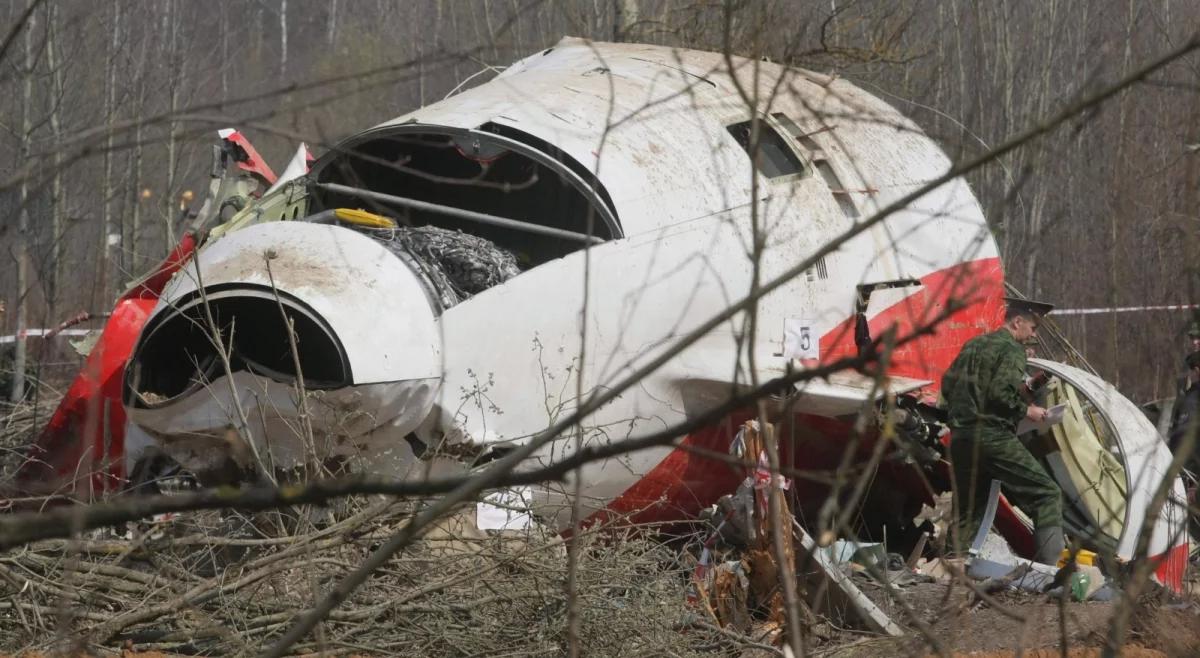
(618, 173)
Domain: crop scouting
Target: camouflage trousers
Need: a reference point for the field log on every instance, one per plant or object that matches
(979, 457)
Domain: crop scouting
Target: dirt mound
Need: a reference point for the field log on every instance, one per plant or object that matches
(1023, 624)
(1173, 630)
(1131, 651)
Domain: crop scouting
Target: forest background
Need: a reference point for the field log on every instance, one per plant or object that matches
(108, 112)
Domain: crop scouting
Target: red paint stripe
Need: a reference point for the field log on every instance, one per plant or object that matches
(682, 483)
(1172, 567)
(979, 285)
(254, 163)
(79, 454)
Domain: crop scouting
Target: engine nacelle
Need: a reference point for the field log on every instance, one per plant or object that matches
(272, 304)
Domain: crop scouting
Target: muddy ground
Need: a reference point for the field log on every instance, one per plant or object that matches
(1024, 624)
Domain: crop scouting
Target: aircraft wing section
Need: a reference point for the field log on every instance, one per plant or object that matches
(845, 393)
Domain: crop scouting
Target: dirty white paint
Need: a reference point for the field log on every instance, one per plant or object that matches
(371, 300)
(374, 302)
(847, 393)
(296, 167)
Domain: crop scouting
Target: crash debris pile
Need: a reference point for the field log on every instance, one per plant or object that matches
(851, 584)
(738, 573)
(459, 264)
(953, 602)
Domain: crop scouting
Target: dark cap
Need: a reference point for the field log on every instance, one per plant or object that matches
(1193, 360)
(1016, 306)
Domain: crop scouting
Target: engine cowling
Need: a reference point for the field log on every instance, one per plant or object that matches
(323, 305)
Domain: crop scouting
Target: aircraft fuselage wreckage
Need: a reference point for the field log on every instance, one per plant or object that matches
(454, 277)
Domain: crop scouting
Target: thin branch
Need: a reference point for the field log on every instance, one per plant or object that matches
(20, 24)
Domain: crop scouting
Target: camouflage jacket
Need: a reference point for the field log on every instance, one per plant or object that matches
(1183, 415)
(982, 387)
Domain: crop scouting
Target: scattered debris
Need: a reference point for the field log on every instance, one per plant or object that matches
(939, 569)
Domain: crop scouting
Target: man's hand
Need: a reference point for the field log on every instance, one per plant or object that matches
(1036, 413)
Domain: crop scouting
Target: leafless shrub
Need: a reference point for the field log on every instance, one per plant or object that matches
(19, 424)
(221, 583)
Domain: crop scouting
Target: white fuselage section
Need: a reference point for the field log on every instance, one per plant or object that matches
(653, 125)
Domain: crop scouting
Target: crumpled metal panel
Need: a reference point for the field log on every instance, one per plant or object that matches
(467, 263)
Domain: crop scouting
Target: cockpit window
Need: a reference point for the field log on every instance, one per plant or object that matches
(775, 158)
(521, 196)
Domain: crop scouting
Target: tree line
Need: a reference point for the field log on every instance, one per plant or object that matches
(110, 110)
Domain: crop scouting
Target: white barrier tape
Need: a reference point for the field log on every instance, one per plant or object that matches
(1123, 309)
(12, 338)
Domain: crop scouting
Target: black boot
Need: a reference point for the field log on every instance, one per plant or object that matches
(1048, 544)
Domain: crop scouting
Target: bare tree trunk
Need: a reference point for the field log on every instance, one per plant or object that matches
(438, 8)
(175, 82)
(939, 81)
(331, 24)
(137, 91)
(491, 30)
(19, 352)
(625, 15)
(57, 200)
(107, 276)
(420, 70)
(135, 213)
(224, 37)
(283, 25)
(1038, 205)
(479, 36)
(455, 35)
(131, 215)
(959, 28)
(518, 40)
(1116, 206)
(540, 34)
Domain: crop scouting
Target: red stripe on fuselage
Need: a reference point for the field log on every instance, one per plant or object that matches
(977, 285)
(684, 483)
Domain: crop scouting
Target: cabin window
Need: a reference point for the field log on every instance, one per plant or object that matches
(839, 192)
(799, 135)
(775, 158)
(821, 163)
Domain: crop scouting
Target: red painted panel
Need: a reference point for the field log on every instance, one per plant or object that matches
(977, 284)
(683, 483)
(254, 163)
(1172, 566)
(81, 451)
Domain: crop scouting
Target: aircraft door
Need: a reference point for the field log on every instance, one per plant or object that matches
(1110, 462)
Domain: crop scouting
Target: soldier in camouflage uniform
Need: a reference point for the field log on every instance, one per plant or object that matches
(1184, 382)
(1187, 408)
(982, 391)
